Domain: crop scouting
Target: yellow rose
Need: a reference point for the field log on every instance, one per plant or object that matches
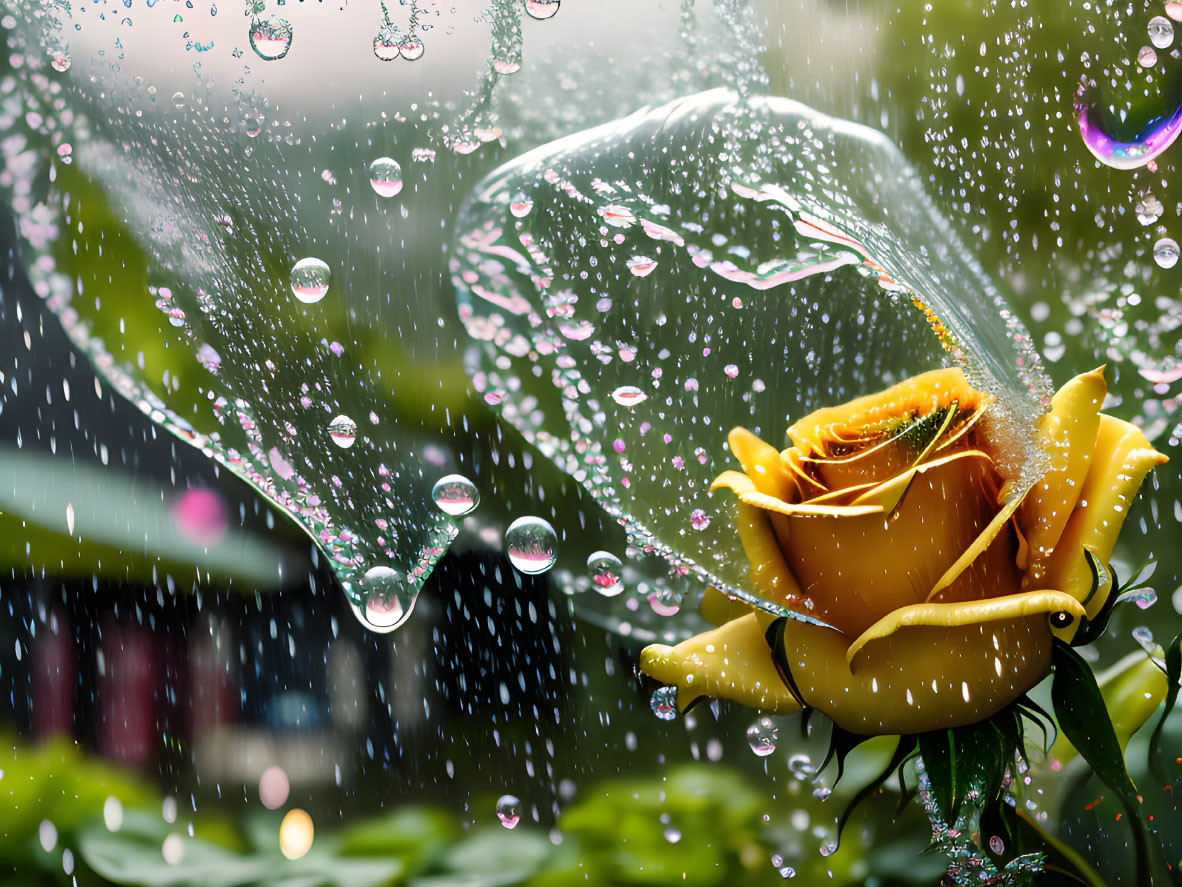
(888, 520)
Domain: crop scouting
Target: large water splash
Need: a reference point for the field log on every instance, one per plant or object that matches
(636, 290)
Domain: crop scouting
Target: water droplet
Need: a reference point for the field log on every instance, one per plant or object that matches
(1148, 210)
(509, 810)
(270, 38)
(530, 543)
(1174, 10)
(762, 737)
(60, 63)
(253, 126)
(385, 44)
(642, 266)
(1165, 252)
(343, 431)
(520, 206)
(664, 703)
(629, 396)
(1146, 57)
(997, 845)
(1161, 31)
(377, 600)
(178, 100)
(1144, 636)
(309, 280)
(672, 835)
(385, 176)
(411, 48)
(542, 9)
(800, 767)
(605, 569)
(699, 520)
(455, 495)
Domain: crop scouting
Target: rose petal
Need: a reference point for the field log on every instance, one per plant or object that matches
(919, 396)
(922, 677)
(732, 662)
(1010, 606)
(1068, 433)
(761, 462)
(1120, 461)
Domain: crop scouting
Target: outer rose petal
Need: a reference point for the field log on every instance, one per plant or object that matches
(1068, 433)
(922, 677)
(732, 662)
(996, 609)
(1120, 462)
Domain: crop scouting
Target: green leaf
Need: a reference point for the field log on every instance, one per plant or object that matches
(903, 751)
(1085, 722)
(1173, 675)
(962, 760)
(841, 743)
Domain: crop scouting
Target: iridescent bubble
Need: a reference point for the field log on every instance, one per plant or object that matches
(1165, 252)
(343, 431)
(542, 9)
(664, 703)
(309, 280)
(509, 810)
(997, 845)
(1148, 210)
(455, 495)
(1146, 57)
(1116, 143)
(385, 176)
(178, 100)
(605, 569)
(270, 38)
(1161, 32)
(530, 543)
(761, 736)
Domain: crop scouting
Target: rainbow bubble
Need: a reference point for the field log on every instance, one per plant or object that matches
(1127, 149)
